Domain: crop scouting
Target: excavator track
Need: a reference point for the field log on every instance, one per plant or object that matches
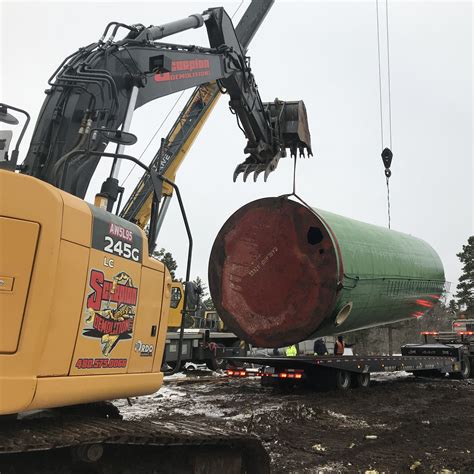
(74, 444)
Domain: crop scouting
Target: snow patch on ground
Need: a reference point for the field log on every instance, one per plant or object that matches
(147, 405)
(174, 377)
(349, 421)
(328, 467)
(210, 412)
(383, 376)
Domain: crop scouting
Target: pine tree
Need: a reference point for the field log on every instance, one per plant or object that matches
(203, 292)
(201, 287)
(167, 258)
(209, 304)
(465, 293)
(453, 306)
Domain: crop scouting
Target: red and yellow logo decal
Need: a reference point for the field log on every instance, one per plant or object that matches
(111, 309)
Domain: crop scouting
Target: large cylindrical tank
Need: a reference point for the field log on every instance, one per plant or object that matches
(280, 272)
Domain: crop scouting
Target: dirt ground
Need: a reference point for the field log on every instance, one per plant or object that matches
(399, 424)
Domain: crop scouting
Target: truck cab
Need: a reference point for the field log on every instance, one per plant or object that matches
(463, 326)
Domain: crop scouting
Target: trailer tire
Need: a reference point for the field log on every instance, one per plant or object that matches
(343, 379)
(216, 364)
(361, 380)
(236, 348)
(172, 364)
(267, 381)
(465, 370)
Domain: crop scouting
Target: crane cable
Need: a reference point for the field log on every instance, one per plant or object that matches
(387, 154)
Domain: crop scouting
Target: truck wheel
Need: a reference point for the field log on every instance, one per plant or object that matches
(215, 364)
(172, 364)
(343, 379)
(268, 381)
(360, 380)
(236, 349)
(465, 370)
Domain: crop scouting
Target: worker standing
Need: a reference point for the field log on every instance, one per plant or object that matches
(319, 347)
(291, 351)
(339, 346)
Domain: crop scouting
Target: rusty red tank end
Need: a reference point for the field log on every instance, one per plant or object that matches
(273, 272)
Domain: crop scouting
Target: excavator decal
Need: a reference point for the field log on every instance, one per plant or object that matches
(111, 309)
(185, 70)
(116, 236)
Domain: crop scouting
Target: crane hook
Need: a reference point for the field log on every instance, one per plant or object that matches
(387, 156)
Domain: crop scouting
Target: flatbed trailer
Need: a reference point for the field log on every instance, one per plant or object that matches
(203, 346)
(342, 372)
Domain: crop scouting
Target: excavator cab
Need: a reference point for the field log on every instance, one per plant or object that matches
(6, 161)
(6, 135)
(5, 139)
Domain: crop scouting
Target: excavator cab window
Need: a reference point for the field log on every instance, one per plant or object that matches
(5, 139)
(176, 296)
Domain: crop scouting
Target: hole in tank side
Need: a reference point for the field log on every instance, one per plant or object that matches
(343, 314)
(314, 236)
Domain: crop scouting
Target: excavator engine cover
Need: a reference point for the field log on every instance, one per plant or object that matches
(84, 309)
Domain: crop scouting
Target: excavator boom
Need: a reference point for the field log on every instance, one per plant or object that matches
(98, 88)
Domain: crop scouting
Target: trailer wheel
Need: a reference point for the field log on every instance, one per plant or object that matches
(343, 379)
(236, 349)
(465, 370)
(360, 380)
(172, 364)
(267, 381)
(215, 364)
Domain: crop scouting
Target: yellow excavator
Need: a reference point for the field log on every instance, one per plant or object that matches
(83, 305)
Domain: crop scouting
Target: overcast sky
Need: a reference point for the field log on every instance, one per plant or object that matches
(324, 52)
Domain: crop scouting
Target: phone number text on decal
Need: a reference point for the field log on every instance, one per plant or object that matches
(101, 363)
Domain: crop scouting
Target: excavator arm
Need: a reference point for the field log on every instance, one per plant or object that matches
(95, 91)
(176, 145)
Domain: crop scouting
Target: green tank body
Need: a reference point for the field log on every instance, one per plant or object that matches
(280, 272)
(388, 276)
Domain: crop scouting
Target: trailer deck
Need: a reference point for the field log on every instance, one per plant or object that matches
(358, 364)
(342, 372)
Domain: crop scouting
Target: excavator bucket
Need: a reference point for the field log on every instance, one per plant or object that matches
(292, 121)
(290, 127)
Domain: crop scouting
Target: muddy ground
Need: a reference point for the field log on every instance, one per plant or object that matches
(399, 424)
